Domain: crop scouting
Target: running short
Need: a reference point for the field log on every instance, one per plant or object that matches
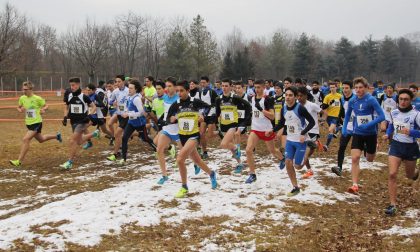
(261, 135)
(405, 151)
(295, 151)
(97, 121)
(311, 142)
(122, 122)
(79, 127)
(35, 127)
(112, 112)
(184, 138)
(332, 120)
(362, 142)
(172, 137)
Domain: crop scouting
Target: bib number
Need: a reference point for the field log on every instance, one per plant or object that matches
(291, 129)
(76, 108)
(364, 119)
(398, 126)
(186, 124)
(121, 107)
(257, 113)
(336, 103)
(227, 116)
(241, 114)
(30, 113)
(388, 109)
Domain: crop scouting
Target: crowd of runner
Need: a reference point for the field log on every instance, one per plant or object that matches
(183, 115)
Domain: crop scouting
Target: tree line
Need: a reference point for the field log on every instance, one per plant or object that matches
(139, 45)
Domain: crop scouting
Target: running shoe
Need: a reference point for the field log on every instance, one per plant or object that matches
(205, 155)
(336, 170)
(239, 168)
(16, 163)
(282, 164)
(58, 137)
(213, 180)
(354, 189)
(67, 165)
(172, 151)
(295, 191)
(308, 174)
(182, 193)
(197, 169)
(416, 176)
(121, 162)
(111, 141)
(237, 153)
(391, 210)
(162, 180)
(96, 134)
(251, 179)
(87, 145)
(325, 148)
(113, 157)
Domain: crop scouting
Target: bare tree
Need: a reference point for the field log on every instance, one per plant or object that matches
(12, 28)
(89, 45)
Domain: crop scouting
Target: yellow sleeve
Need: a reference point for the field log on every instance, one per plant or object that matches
(327, 99)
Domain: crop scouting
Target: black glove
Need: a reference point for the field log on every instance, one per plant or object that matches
(64, 122)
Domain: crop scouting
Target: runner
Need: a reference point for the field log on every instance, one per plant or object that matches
(185, 112)
(227, 107)
(241, 135)
(112, 108)
(344, 140)
(388, 103)
(99, 98)
(261, 128)
(312, 141)
(365, 130)
(331, 110)
(169, 132)
(294, 118)
(33, 106)
(250, 90)
(121, 96)
(209, 96)
(77, 105)
(416, 102)
(404, 125)
(316, 93)
(136, 116)
(278, 106)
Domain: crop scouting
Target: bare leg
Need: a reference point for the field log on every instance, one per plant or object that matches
(252, 142)
(25, 143)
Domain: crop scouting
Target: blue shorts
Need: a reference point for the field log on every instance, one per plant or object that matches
(112, 112)
(332, 120)
(174, 138)
(405, 151)
(295, 151)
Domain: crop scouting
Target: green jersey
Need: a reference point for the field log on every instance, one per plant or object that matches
(157, 106)
(32, 105)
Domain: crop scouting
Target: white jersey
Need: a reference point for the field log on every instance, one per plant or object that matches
(313, 109)
(317, 97)
(389, 104)
(121, 97)
(294, 123)
(346, 107)
(259, 121)
(400, 120)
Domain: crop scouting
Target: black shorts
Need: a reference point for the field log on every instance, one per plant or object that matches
(367, 143)
(210, 120)
(122, 122)
(405, 151)
(311, 142)
(184, 138)
(35, 127)
(98, 121)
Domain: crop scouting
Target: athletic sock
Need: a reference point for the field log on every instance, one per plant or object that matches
(185, 186)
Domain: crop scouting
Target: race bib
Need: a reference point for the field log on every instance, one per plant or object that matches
(364, 119)
(388, 109)
(398, 126)
(121, 107)
(227, 116)
(30, 113)
(336, 103)
(76, 108)
(186, 124)
(258, 114)
(277, 116)
(241, 114)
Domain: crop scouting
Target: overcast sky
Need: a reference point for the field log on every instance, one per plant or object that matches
(327, 19)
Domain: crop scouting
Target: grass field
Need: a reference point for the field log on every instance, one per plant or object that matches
(100, 206)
